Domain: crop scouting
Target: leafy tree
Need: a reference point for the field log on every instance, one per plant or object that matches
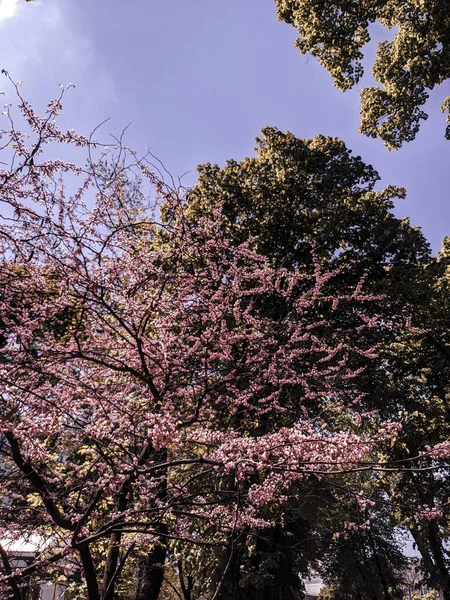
(420, 377)
(364, 560)
(407, 67)
(300, 193)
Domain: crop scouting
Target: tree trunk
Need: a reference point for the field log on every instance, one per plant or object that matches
(151, 573)
(111, 566)
(229, 574)
(89, 572)
(379, 568)
(439, 559)
(187, 584)
(12, 582)
(433, 560)
(439, 574)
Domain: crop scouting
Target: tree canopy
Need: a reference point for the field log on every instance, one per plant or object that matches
(295, 194)
(142, 362)
(413, 61)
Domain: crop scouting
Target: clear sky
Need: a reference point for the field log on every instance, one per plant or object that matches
(197, 79)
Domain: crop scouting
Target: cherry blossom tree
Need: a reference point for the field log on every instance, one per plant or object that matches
(137, 359)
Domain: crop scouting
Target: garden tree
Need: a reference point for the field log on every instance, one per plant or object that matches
(420, 375)
(132, 425)
(364, 560)
(274, 558)
(414, 61)
(415, 370)
(354, 573)
(261, 563)
(301, 193)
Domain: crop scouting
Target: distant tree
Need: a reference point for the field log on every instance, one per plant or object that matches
(364, 561)
(415, 61)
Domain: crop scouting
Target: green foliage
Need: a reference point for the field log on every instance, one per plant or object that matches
(365, 562)
(270, 564)
(433, 595)
(413, 62)
(299, 195)
(296, 195)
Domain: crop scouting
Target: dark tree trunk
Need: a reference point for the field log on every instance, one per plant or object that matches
(429, 545)
(423, 550)
(379, 568)
(89, 572)
(151, 573)
(187, 584)
(360, 567)
(111, 566)
(439, 571)
(439, 559)
(229, 575)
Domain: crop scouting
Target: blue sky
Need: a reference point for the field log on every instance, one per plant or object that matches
(197, 79)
